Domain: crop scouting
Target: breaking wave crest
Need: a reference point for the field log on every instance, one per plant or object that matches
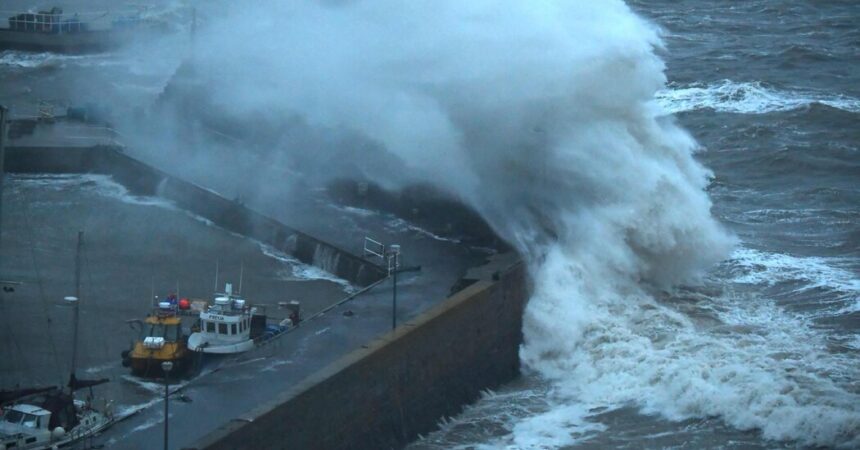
(814, 273)
(26, 60)
(746, 98)
(299, 271)
(550, 130)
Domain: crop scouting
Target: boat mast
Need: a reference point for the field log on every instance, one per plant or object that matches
(74, 383)
(241, 275)
(76, 303)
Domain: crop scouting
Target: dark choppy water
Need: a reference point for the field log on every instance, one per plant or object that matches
(766, 353)
(771, 91)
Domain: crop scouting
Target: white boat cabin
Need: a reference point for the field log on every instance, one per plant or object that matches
(225, 327)
(25, 426)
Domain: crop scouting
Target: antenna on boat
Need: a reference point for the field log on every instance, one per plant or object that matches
(241, 274)
(217, 264)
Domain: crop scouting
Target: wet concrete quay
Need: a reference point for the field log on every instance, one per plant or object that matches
(136, 243)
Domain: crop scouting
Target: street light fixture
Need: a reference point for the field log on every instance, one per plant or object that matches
(166, 366)
(391, 257)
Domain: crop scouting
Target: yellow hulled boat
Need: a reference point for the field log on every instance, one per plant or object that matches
(161, 339)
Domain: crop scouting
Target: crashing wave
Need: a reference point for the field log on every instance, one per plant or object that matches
(541, 116)
(746, 98)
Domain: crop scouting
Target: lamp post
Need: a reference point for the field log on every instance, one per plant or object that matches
(166, 366)
(394, 268)
(391, 257)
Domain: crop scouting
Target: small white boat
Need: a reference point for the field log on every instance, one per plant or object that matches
(50, 417)
(52, 420)
(228, 326)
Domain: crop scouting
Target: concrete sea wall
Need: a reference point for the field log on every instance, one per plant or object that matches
(382, 395)
(386, 393)
(420, 204)
(143, 179)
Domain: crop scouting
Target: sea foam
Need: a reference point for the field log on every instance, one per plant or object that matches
(746, 98)
(550, 120)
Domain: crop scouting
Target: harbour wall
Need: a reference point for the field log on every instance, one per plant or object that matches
(420, 204)
(54, 42)
(142, 179)
(382, 395)
(386, 393)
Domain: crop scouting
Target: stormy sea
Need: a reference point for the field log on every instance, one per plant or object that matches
(764, 352)
(682, 179)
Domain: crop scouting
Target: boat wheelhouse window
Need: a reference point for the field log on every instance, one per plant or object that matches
(18, 417)
(30, 421)
(173, 333)
(13, 416)
(170, 333)
(210, 327)
(233, 328)
(222, 328)
(241, 326)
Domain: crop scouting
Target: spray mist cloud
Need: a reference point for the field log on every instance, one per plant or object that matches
(539, 114)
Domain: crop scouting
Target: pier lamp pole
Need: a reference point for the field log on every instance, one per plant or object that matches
(391, 257)
(166, 366)
(393, 253)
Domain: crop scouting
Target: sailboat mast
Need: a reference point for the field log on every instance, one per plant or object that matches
(241, 275)
(77, 302)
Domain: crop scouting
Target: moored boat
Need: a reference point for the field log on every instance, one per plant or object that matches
(161, 339)
(51, 417)
(227, 326)
(231, 325)
(50, 420)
